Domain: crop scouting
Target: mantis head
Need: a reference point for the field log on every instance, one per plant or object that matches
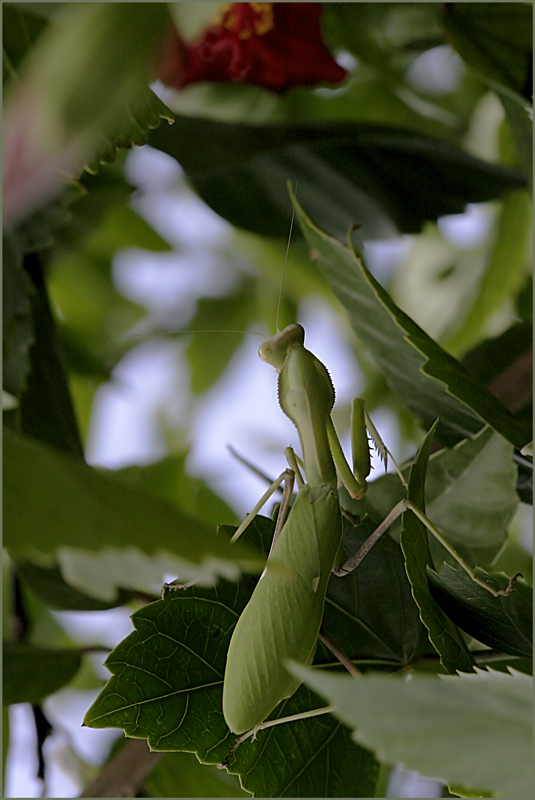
(276, 349)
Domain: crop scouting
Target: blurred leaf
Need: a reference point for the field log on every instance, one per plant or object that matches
(505, 365)
(493, 356)
(92, 310)
(48, 584)
(46, 410)
(20, 29)
(474, 730)
(504, 623)
(18, 335)
(100, 531)
(61, 117)
(87, 202)
(240, 170)
(34, 234)
(32, 673)
(394, 26)
(520, 118)
(444, 635)
(209, 355)
(505, 270)
(429, 380)
(168, 479)
(181, 775)
(138, 119)
(124, 227)
(495, 38)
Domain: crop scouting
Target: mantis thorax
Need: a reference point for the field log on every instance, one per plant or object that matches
(306, 396)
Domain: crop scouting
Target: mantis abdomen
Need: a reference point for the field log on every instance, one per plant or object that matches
(283, 617)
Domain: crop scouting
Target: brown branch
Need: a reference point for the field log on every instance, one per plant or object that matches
(126, 773)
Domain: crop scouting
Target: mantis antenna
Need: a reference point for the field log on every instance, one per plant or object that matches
(286, 257)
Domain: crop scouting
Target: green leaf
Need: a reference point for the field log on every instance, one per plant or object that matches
(474, 730)
(443, 634)
(495, 38)
(314, 758)
(32, 673)
(387, 179)
(371, 626)
(123, 227)
(167, 676)
(88, 203)
(167, 687)
(430, 381)
(101, 532)
(470, 495)
(504, 623)
(137, 119)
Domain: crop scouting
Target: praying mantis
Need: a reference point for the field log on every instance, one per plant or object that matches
(283, 618)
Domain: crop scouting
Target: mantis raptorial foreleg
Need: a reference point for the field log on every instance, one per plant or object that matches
(406, 505)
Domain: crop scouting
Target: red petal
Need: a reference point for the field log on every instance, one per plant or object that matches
(290, 54)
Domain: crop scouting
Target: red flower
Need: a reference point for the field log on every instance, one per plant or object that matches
(274, 45)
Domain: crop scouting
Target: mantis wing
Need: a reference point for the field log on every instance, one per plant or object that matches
(283, 617)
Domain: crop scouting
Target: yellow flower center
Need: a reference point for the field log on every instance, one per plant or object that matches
(257, 18)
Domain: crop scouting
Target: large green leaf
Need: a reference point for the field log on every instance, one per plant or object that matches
(504, 623)
(32, 673)
(474, 730)
(386, 179)
(431, 382)
(195, 625)
(444, 635)
(104, 534)
(470, 495)
(167, 687)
